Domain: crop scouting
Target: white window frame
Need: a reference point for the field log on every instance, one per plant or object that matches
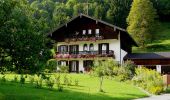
(97, 32)
(84, 32)
(89, 31)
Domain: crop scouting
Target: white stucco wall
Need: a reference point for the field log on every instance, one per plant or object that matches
(114, 45)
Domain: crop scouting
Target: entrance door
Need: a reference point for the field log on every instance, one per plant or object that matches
(87, 64)
(74, 66)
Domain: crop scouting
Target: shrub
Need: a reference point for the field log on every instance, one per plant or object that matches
(63, 69)
(76, 82)
(38, 81)
(50, 82)
(31, 79)
(66, 80)
(51, 65)
(3, 79)
(149, 80)
(103, 68)
(15, 79)
(59, 86)
(22, 79)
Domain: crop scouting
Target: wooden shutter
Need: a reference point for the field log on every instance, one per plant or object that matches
(70, 64)
(59, 49)
(77, 66)
(59, 63)
(77, 49)
(70, 49)
(67, 48)
(66, 63)
(100, 48)
(107, 48)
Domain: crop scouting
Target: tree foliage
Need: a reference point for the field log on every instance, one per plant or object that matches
(20, 40)
(141, 21)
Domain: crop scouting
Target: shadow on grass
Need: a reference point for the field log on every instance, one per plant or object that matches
(26, 92)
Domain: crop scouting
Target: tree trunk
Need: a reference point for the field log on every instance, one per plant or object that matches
(101, 82)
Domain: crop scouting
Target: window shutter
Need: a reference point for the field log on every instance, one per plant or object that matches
(107, 48)
(70, 64)
(59, 49)
(100, 48)
(70, 49)
(67, 48)
(59, 63)
(77, 49)
(66, 63)
(77, 66)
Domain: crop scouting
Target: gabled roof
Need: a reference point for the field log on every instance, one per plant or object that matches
(97, 20)
(155, 55)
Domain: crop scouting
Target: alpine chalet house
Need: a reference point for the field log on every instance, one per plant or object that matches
(84, 39)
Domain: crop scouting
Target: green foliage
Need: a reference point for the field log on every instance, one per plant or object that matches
(118, 12)
(149, 80)
(15, 79)
(38, 81)
(103, 68)
(50, 82)
(22, 79)
(141, 21)
(63, 69)
(3, 79)
(163, 9)
(66, 80)
(76, 82)
(31, 79)
(58, 82)
(86, 90)
(27, 50)
(52, 65)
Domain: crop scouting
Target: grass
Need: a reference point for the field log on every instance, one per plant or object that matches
(87, 90)
(161, 42)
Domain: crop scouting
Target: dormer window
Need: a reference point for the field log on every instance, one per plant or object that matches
(97, 32)
(84, 32)
(89, 31)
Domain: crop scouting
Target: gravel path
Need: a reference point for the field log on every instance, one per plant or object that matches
(157, 97)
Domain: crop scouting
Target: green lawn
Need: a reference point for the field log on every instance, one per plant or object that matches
(87, 90)
(161, 41)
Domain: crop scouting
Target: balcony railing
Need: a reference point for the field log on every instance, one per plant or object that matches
(84, 54)
(83, 39)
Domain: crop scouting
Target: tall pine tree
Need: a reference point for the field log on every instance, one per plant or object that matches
(141, 21)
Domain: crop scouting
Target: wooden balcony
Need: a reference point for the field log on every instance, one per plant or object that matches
(74, 39)
(84, 54)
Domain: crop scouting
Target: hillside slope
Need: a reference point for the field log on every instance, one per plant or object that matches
(161, 41)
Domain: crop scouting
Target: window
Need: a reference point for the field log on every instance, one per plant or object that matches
(84, 32)
(85, 48)
(91, 47)
(89, 31)
(104, 46)
(62, 49)
(73, 49)
(97, 32)
(63, 63)
(73, 67)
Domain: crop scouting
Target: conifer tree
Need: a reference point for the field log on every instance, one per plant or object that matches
(141, 21)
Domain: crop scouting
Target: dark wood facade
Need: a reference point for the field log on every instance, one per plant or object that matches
(73, 29)
(151, 61)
